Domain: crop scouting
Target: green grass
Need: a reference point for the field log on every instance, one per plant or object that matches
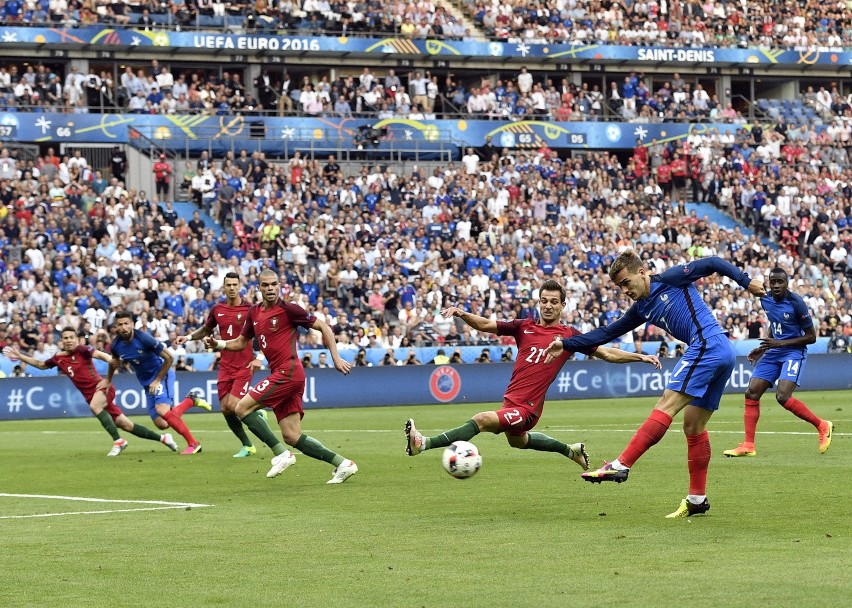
(526, 531)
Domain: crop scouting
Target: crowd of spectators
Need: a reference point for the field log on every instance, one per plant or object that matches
(378, 254)
(803, 25)
(414, 19)
(417, 95)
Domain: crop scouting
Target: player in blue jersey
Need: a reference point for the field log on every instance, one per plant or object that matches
(152, 362)
(781, 357)
(671, 301)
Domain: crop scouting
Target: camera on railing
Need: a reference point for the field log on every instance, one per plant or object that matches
(368, 136)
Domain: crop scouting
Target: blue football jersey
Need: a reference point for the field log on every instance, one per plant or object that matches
(788, 318)
(673, 305)
(142, 352)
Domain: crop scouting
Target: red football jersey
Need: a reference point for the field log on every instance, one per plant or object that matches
(276, 330)
(230, 321)
(531, 377)
(79, 367)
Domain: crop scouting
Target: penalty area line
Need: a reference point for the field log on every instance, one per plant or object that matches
(160, 505)
(100, 512)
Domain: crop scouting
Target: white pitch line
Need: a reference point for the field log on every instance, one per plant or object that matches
(163, 505)
(96, 512)
(86, 499)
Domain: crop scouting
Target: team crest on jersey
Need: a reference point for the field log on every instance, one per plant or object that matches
(445, 383)
(274, 323)
(239, 316)
(786, 315)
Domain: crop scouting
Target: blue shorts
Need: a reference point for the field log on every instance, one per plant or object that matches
(704, 370)
(781, 364)
(165, 394)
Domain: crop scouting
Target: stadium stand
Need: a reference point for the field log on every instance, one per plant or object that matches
(375, 249)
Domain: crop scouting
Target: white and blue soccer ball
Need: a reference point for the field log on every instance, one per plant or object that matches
(461, 459)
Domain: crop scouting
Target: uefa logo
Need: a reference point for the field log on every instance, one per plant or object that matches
(445, 383)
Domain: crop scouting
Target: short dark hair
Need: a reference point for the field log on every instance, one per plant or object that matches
(779, 270)
(232, 275)
(68, 328)
(551, 285)
(124, 314)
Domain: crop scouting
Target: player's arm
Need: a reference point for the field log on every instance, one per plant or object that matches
(684, 274)
(114, 364)
(199, 334)
(331, 344)
(234, 345)
(101, 356)
(475, 321)
(14, 352)
(168, 361)
(616, 355)
(602, 335)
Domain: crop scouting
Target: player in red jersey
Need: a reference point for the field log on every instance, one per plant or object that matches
(275, 324)
(235, 368)
(75, 361)
(523, 401)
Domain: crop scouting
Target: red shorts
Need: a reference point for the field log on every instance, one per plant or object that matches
(282, 395)
(236, 383)
(516, 420)
(111, 408)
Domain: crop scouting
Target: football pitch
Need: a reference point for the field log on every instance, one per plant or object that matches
(158, 529)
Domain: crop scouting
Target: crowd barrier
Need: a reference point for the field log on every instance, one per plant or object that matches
(275, 136)
(35, 398)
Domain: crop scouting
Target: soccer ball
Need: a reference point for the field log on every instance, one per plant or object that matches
(461, 459)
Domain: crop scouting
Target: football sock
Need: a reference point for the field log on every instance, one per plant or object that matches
(106, 421)
(237, 428)
(144, 432)
(311, 447)
(646, 436)
(544, 443)
(801, 410)
(257, 425)
(750, 418)
(465, 432)
(698, 459)
(184, 405)
(178, 425)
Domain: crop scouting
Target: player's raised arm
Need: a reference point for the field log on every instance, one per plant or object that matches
(615, 355)
(235, 345)
(11, 352)
(684, 274)
(475, 321)
(602, 335)
(331, 344)
(199, 334)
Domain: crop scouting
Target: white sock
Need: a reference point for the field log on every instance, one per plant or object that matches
(696, 499)
(618, 466)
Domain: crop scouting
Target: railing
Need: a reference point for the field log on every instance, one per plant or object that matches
(321, 144)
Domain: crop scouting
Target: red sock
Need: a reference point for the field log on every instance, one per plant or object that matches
(651, 431)
(750, 418)
(801, 410)
(698, 459)
(184, 405)
(177, 424)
